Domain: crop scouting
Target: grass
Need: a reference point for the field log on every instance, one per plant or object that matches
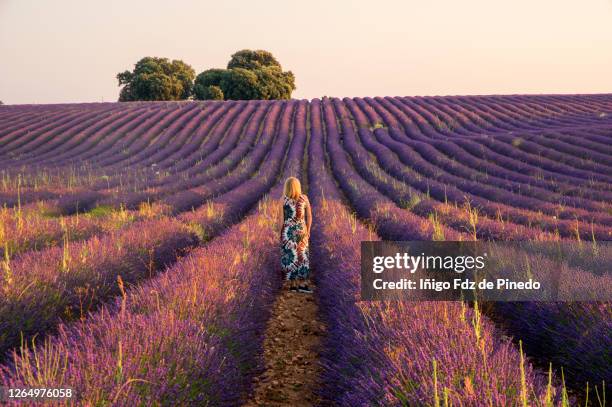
(101, 211)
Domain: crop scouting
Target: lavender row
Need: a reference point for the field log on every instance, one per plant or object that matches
(449, 192)
(38, 127)
(430, 149)
(84, 227)
(103, 192)
(367, 201)
(180, 192)
(286, 161)
(467, 164)
(24, 145)
(32, 228)
(575, 336)
(80, 136)
(241, 199)
(232, 146)
(97, 142)
(494, 230)
(534, 148)
(395, 113)
(106, 193)
(149, 135)
(192, 134)
(23, 120)
(563, 170)
(66, 282)
(469, 116)
(122, 146)
(551, 169)
(402, 354)
(484, 227)
(438, 214)
(271, 146)
(201, 358)
(594, 143)
(40, 316)
(91, 140)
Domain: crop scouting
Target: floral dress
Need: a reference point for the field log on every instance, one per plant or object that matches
(294, 242)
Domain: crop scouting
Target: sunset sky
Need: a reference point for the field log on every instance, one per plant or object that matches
(70, 50)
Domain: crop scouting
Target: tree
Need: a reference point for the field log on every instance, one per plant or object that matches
(206, 80)
(157, 79)
(274, 83)
(249, 75)
(240, 84)
(212, 92)
(234, 84)
(252, 60)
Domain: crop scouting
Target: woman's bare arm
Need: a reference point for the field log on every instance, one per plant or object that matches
(281, 218)
(308, 218)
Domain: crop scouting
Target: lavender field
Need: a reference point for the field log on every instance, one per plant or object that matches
(139, 258)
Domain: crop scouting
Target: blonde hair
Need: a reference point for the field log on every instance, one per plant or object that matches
(293, 188)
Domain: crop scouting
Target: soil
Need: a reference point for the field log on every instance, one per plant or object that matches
(291, 345)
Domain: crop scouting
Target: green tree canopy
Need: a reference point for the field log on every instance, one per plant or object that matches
(249, 75)
(156, 79)
(249, 59)
(212, 92)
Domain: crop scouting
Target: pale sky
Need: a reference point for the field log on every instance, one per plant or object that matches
(70, 50)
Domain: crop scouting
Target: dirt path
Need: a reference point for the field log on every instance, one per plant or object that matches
(291, 346)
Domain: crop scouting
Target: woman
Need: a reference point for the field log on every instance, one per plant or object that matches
(295, 233)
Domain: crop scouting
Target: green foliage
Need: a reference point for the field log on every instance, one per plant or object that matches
(274, 83)
(156, 79)
(212, 93)
(207, 81)
(101, 211)
(240, 84)
(252, 60)
(211, 77)
(249, 75)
